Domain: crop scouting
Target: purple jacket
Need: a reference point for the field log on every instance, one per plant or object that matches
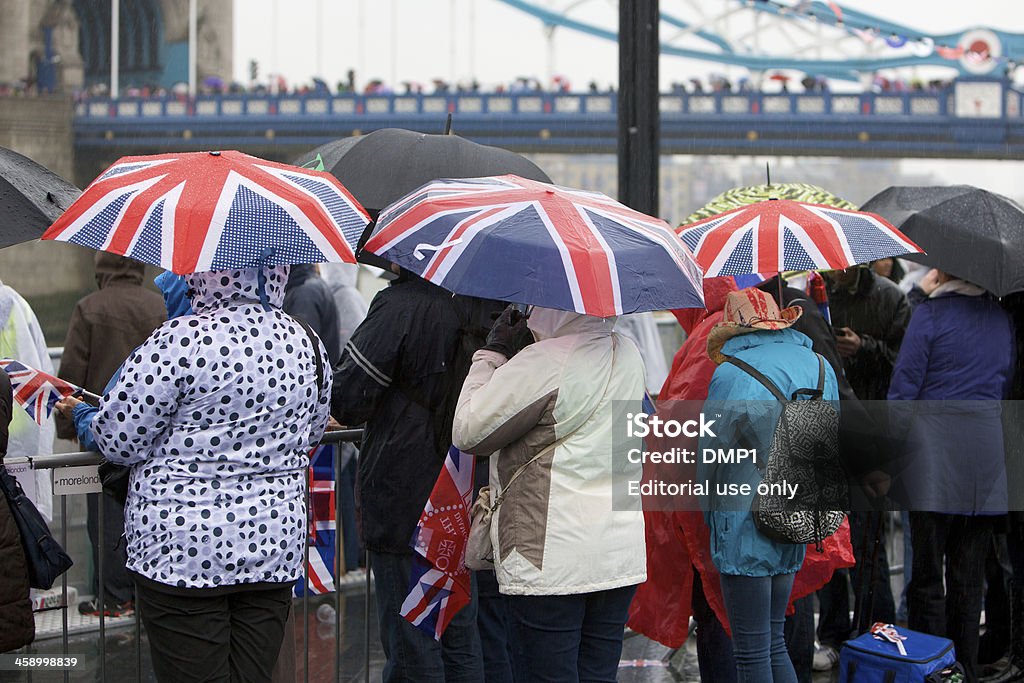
(958, 356)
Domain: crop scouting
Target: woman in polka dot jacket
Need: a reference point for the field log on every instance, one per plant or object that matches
(216, 413)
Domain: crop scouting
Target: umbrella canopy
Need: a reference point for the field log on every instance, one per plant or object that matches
(780, 234)
(968, 232)
(31, 197)
(203, 211)
(751, 194)
(387, 164)
(523, 241)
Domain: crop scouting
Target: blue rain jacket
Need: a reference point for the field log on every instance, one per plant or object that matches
(745, 414)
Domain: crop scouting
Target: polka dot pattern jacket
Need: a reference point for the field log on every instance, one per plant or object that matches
(216, 413)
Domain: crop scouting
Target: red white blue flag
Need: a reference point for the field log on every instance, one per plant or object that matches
(323, 524)
(440, 584)
(36, 391)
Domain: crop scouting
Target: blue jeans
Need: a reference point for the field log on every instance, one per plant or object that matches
(568, 638)
(412, 655)
(757, 613)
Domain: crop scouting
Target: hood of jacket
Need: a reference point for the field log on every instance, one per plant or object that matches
(763, 337)
(546, 323)
(175, 291)
(715, 291)
(299, 274)
(214, 289)
(111, 268)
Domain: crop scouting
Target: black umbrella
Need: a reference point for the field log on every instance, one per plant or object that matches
(31, 198)
(965, 231)
(382, 166)
(387, 164)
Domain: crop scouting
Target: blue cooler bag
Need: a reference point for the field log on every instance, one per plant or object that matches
(867, 659)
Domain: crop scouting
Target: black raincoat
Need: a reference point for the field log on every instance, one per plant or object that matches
(401, 374)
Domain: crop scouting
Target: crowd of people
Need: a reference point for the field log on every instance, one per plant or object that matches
(214, 394)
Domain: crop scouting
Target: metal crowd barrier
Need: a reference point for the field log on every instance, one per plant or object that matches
(50, 462)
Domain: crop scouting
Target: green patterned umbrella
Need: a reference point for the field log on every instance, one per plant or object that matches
(751, 194)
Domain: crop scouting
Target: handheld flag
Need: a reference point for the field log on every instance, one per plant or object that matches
(323, 524)
(36, 391)
(440, 584)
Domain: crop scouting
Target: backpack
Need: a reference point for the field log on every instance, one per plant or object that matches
(804, 451)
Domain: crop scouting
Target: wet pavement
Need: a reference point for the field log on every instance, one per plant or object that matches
(643, 661)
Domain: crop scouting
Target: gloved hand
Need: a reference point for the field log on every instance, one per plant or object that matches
(509, 334)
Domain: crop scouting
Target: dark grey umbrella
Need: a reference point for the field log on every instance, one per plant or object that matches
(387, 164)
(965, 231)
(31, 198)
(382, 166)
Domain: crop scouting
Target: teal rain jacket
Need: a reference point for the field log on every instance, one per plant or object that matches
(745, 414)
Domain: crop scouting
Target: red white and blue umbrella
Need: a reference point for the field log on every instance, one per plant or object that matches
(200, 211)
(529, 242)
(780, 235)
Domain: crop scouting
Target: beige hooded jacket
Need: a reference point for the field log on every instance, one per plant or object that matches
(556, 532)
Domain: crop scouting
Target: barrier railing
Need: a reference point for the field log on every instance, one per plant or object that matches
(56, 461)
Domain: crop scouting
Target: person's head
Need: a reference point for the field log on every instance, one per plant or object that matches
(212, 289)
(546, 323)
(748, 311)
(883, 267)
(844, 278)
(110, 267)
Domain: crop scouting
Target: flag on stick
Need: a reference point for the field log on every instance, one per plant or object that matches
(37, 391)
(440, 584)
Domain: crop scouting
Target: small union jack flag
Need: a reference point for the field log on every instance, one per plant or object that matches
(35, 390)
(323, 525)
(528, 242)
(440, 584)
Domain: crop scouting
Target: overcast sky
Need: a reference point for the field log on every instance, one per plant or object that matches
(418, 40)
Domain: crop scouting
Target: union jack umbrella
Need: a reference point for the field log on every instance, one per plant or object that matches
(781, 235)
(37, 391)
(528, 242)
(200, 211)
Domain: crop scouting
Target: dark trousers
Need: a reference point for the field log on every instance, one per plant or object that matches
(412, 655)
(959, 544)
(492, 619)
(568, 638)
(870, 583)
(799, 636)
(714, 647)
(117, 584)
(231, 637)
(349, 529)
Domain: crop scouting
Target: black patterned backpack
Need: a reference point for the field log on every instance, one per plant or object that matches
(804, 452)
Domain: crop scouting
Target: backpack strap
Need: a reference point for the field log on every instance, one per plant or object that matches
(820, 391)
(756, 374)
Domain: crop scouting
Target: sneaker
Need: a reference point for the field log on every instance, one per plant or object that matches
(825, 658)
(91, 609)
